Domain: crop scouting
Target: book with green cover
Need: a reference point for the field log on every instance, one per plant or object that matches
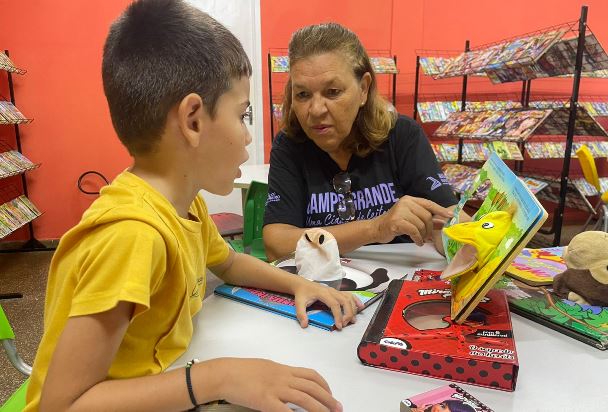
(586, 323)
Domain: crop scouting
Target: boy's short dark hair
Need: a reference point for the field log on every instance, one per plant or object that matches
(157, 52)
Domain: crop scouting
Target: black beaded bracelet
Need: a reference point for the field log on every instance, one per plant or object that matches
(189, 383)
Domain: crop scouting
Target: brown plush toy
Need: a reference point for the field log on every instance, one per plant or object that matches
(586, 279)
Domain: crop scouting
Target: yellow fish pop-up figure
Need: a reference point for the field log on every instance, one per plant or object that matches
(479, 238)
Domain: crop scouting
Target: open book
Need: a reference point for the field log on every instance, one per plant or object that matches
(367, 279)
(480, 251)
(538, 267)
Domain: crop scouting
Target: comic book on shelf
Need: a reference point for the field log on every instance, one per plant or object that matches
(508, 209)
(277, 111)
(16, 213)
(557, 123)
(8, 65)
(13, 162)
(514, 125)
(587, 189)
(279, 64)
(9, 114)
(461, 178)
(367, 279)
(433, 65)
(559, 60)
(506, 61)
(383, 65)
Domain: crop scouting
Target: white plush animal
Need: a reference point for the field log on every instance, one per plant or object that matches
(318, 258)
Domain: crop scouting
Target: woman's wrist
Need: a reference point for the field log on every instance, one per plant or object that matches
(373, 230)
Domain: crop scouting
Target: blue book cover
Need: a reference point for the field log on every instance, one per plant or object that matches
(318, 314)
(367, 279)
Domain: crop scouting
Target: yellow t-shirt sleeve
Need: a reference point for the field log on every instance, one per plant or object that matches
(122, 261)
(217, 249)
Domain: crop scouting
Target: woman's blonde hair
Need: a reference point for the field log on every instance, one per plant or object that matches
(374, 120)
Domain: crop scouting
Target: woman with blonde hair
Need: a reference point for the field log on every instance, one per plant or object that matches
(344, 160)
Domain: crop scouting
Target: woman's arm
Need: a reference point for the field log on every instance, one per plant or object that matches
(409, 216)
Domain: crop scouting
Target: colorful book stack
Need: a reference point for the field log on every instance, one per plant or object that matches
(475, 152)
(279, 64)
(277, 111)
(498, 59)
(461, 177)
(596, 108)
(555, 150)
(598, 74)
(557, 123)
(13, 163)
(515, 125)
(9, 114)
(587, 189)
(436, 111)
(383, 65)
(534, 185)
(432, 66)
(541, 55)
(16, 213)
(7, 65)
(439, 111)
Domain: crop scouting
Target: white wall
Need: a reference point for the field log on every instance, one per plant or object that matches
(242, 17)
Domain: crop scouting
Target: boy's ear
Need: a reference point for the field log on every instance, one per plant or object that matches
(190, 118)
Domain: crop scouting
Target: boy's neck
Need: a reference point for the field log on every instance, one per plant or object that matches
(175, 185)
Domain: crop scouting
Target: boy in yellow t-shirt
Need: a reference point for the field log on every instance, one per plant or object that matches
(125, 282)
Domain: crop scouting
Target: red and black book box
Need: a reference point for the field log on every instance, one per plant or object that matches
(412, 332)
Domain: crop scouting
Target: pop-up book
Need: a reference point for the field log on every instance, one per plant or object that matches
(479, 252)
(412, 332)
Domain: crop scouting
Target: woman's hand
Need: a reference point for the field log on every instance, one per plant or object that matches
(268, 386)
(343, 305)
(412, 216)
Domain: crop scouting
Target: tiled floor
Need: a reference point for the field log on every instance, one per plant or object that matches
(26, 273)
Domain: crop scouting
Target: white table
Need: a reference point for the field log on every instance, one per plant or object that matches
(557, 373)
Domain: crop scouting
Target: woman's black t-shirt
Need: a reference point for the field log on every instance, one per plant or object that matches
(301, 192)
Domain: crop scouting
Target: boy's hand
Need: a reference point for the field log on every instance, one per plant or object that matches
(267, 386)
(343, 305)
